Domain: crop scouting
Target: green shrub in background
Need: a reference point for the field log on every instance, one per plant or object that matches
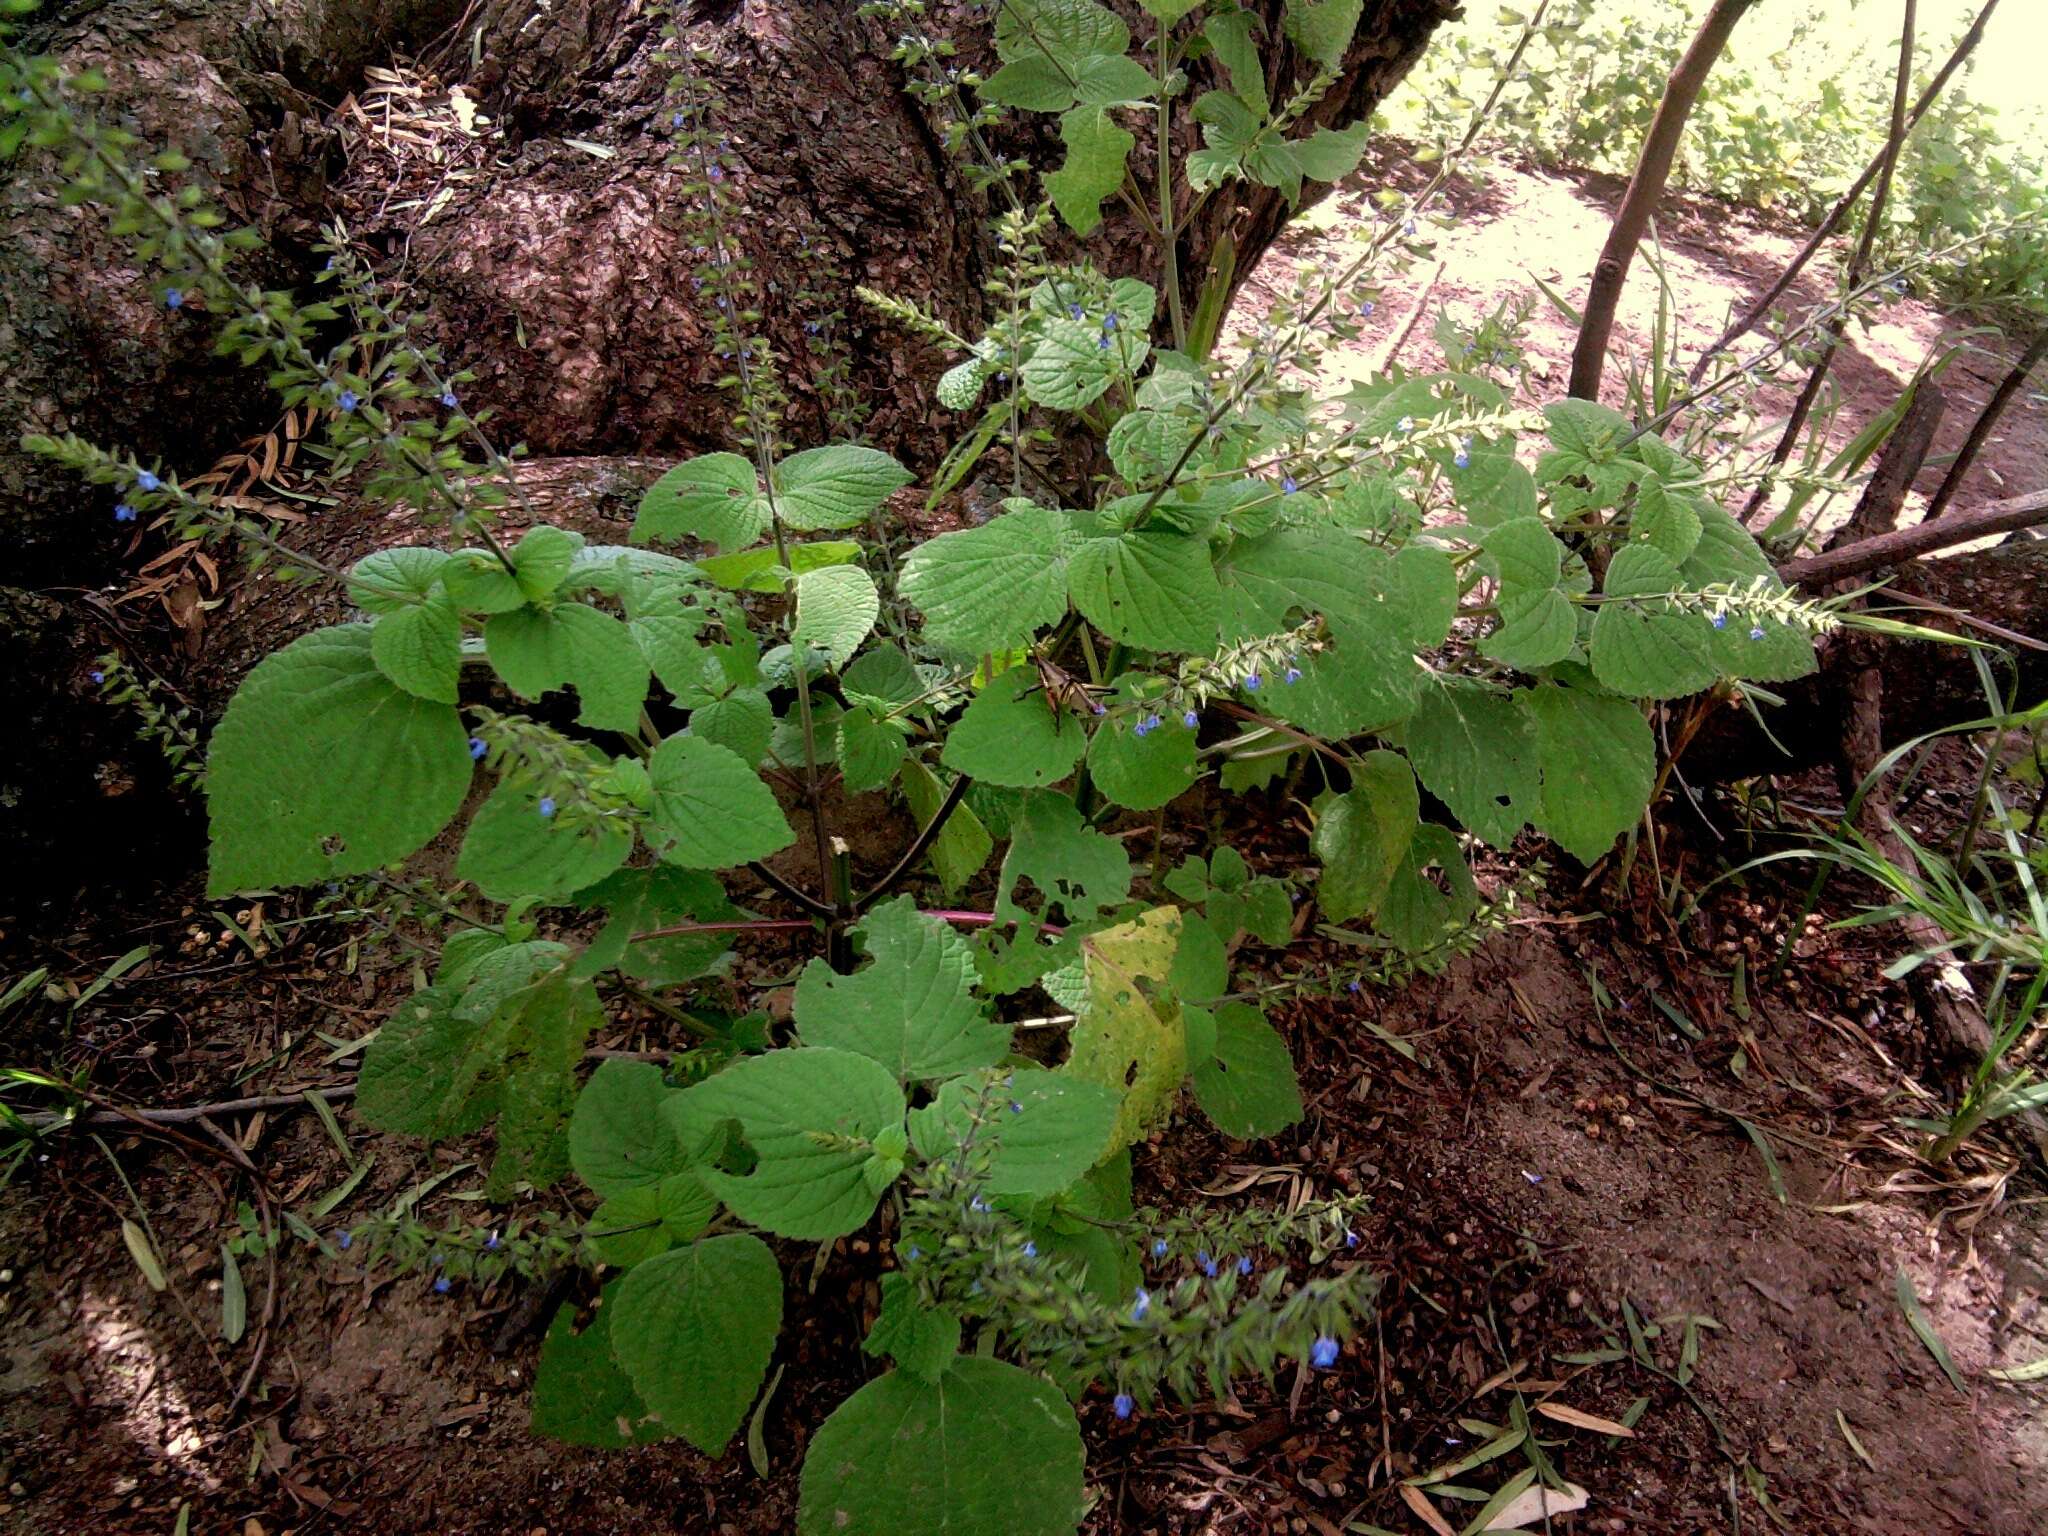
(1788, 130)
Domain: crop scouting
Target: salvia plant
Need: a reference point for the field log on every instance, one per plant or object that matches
(1416, 584)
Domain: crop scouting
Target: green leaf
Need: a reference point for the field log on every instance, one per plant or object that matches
(1599, 765)
(1129, 1037)
(541, 561)
(1643, 645)
(1047, 1129)
(1587, 429)
(838, 486)
(580, 1396)
(1069, 368)
(420, 647)
(639, 900)
(1229, 129)
(1070, 864)
(1097, 148)
(545, 1031)
(1230, 35)
(1248, 1087)
(479, 583)
(1665, 518)
(393, 580)
(1430, 893)
(1539, 625)
(321, 768)
(743, 722)
(1323, 29)
(1141, 773)
(715, 497)
(836, 609)
(870, 750)
(912, 1008)
(920, 1338)
(1331, 154)
(539, 650)
(985, 1448)
(1010, 735)
(1476, 751)
(991, 588)
(1362, 836)
(711, 810)
(693, 1329)
(963, 844)
(1169, 11)
(1156, 591)
(808, 1114)
(234, 1297)
(1031, 84)
(1063, 31)
(618, 1139)
(760, 570)
(511, 850)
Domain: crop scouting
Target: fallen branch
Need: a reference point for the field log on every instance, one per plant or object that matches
(48, 1119)
(1904, 544)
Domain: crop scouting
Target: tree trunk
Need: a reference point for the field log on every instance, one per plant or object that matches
(564, 277)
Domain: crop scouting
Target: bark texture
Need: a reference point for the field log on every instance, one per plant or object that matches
(565, 279)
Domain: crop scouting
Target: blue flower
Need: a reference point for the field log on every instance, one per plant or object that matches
(1109, 321)
(1016, 1108)
(448, 398)
(1102, 343)
(1158, 1247)
(1123, 1405)
(1324, 1354)
(1367, 307)
(477, 748)
(1408, 228)
(1141, 1306)
(1756, 631)
(492, 1243)
(1191, 720)
(547, 806)
(343, 1239)
(676, 121)
(1354, 986)
(1096, 706)
(913, 1253)
(349, 400)
(1253, 682)
(1075, 311)
(174, 298)
(977, 1204)
(441, 1286)
(1463, 458)
(1292, 675)
(1720, 621)
(1350, 1239)
(1288, 485)
(145, 481)
(1208, 1265)
(123, 513)
(1244, 1266)
(1407, 424)
(99, 676)
(1030, 1250)
(718, 173)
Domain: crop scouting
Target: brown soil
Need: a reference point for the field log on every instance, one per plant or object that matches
(1537, 1163)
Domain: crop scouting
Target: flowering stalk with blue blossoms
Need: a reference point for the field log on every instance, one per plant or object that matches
(1208, 564)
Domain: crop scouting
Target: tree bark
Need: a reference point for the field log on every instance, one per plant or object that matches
(1645, 191)
(565, 280)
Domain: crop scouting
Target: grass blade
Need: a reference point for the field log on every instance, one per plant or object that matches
(1916, 1318)
(144, 1253)
(234, 1298)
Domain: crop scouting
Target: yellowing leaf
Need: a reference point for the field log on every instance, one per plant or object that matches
(1130, 1036)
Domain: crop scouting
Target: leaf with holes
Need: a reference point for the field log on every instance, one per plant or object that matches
(1129, 1036)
